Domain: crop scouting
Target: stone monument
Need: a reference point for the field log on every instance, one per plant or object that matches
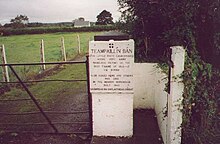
(111, 57)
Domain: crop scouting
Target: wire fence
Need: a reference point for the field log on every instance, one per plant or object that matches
(60, 49)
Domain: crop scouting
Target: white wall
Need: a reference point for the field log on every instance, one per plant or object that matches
(160, 100)
(149, 92)
(112, 114)
(144, 85)
(149, 85)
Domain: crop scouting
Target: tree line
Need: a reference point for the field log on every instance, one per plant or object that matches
(22, 21)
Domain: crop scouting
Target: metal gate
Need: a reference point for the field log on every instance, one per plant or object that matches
(48, 121)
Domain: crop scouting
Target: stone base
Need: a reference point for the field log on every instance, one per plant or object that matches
(112, 115)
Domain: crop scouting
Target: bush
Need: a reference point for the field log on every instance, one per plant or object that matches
(193, 24)
(201, 102)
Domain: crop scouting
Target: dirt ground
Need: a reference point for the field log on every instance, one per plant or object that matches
(41, 139)
(78, 102)
(146, 131)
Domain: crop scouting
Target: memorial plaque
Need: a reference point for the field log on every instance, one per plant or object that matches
(110, 65)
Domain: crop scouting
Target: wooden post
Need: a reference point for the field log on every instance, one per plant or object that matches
(4, 68)
(63, 49)
(78, 40)
(42, 56)
(87, 46)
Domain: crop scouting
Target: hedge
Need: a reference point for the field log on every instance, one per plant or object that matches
(42, 30)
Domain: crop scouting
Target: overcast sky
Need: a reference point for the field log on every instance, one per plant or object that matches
(56, 10)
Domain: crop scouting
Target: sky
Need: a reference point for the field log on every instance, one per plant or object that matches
(56, 10)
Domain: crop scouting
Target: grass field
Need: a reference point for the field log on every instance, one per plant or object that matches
(48, 93)
(26, 48)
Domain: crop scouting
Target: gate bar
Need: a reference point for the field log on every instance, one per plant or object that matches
(33, 99)
(40, 63)
(46, 112)
(42, 132)
(38, 81)
(63, 123)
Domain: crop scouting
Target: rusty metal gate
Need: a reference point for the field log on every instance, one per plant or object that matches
(54, 126)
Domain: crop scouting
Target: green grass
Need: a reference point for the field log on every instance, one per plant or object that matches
(52, 92)
(26, 49)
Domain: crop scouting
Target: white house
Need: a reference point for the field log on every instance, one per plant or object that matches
(80, 22)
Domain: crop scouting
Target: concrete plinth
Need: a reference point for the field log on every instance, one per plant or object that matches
(113, 115)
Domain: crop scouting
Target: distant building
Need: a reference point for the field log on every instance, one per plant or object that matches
(80, 22)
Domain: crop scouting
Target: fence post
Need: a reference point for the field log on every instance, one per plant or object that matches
(63, 49)
(5, 73)
(79, 47)
(87, 46)
(42, 55)
(176, 96)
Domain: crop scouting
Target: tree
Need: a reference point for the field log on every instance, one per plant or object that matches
(160, 24)
(104, 18)
(7, 25)
(194, 24)
(145, 23)
(19, 21)
(81, 19)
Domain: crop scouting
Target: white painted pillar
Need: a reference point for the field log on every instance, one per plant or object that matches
(111, 86)
(175, 97)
